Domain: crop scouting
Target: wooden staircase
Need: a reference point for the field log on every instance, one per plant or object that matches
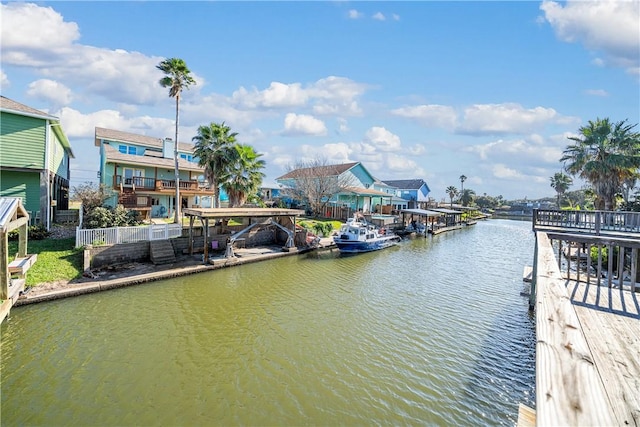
(161, 252)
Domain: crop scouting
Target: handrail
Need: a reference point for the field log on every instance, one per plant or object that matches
(596, 222)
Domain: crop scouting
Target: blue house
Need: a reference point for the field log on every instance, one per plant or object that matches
(337, 190)
(415, 191)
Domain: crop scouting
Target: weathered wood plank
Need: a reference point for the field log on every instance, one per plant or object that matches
(569, 390)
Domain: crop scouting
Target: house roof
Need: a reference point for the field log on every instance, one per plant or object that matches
(13, 107)
(115, 156)
(133, 138)
(359, 191)
(406, 184)
(327, 170)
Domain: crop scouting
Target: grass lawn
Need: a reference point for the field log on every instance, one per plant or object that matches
(57, 260)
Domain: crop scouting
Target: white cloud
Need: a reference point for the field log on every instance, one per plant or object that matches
(4, 80)
(395, 17)
(504, 172)
(302, 124)
(597, 92)
(381, 139)
(379, 16)
(26, 26)
(277, 95)
(530, 151)
(354, 14)
(429, 115)
(51, 91)
(37, 38)
(611, 26)
(504, 119)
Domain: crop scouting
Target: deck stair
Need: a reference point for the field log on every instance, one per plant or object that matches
(161, 252)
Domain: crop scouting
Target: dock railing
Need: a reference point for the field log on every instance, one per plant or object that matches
(115, 235)
(596, 222)
(588, 251)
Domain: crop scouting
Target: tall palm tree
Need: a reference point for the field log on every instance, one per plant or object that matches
(605, 154)
(452, 192)
(177, 77)
(215, 148)
(245, 175)
(462, 180)
(466, 197)
(561, 183)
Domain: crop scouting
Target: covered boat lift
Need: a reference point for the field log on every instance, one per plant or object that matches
(269, 216)
(430, 217)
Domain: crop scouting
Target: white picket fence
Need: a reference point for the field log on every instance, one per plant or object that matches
(115, 235)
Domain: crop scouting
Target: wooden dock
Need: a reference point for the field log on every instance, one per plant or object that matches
(588, 348)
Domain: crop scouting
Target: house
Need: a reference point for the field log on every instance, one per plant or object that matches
(34, 160)
(140, 170)
(415, 191)
(348, 188)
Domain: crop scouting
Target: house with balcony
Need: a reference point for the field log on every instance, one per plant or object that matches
(350, 187)
(414, 191)
(34, 160)
(140, 170)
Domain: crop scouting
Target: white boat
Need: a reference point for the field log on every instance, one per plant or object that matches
(357, 235)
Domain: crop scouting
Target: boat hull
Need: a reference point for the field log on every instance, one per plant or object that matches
(355, 246)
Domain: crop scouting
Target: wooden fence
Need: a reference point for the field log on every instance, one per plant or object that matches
(115, 235)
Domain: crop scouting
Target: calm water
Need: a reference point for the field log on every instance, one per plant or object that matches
(432, 332)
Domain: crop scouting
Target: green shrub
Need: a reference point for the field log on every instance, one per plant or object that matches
(35, 232)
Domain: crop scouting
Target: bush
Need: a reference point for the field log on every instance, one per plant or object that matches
(35, 232)
(104, 217)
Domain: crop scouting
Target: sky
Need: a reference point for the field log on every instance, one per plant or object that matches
(413, 90)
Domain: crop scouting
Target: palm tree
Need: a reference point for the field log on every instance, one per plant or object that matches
(215, 148)
(561, 183)
(245, 175)
(605, 155)
(462, 180)
(177, 77)
(452, 192)
(466, 197)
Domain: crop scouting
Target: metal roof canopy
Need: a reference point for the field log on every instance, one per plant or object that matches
(218, 213)
(205, 214)
(422, 212)
(447, 211)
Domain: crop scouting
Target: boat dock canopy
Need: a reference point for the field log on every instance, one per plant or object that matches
(240, 212)
(422, 212)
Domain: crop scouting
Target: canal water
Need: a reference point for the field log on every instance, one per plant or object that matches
(431, 332)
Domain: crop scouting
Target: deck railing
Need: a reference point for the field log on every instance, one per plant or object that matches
(115, 235)
(596, 222)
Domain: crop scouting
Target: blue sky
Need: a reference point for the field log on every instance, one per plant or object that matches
(431, 90)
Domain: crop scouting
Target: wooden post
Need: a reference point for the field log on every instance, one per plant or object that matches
(4, 267)
(205, 235)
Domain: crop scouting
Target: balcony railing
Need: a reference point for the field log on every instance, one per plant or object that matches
(162, 185)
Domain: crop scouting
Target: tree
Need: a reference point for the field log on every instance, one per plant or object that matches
(466, 197)
(315, 183)
(91, 196)
(177, 77)
(561, 183)
(462, 180)
(245, 175)
(605, 155)
(452, 192)
(215, 147)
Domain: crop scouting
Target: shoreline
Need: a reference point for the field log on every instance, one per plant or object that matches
(137, 273)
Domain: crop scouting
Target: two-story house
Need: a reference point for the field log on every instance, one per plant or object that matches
(350, 187)
(34, 160)
(415, 191)
(140, 170)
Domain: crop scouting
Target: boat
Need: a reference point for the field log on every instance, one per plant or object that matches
(357, 236)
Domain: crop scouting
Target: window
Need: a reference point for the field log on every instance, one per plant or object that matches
(122, 149)
(187, 157)
(132, 150)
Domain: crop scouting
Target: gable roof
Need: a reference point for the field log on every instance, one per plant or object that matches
(407, 184)
(133, 138)
(10, 106)
(328, 170)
